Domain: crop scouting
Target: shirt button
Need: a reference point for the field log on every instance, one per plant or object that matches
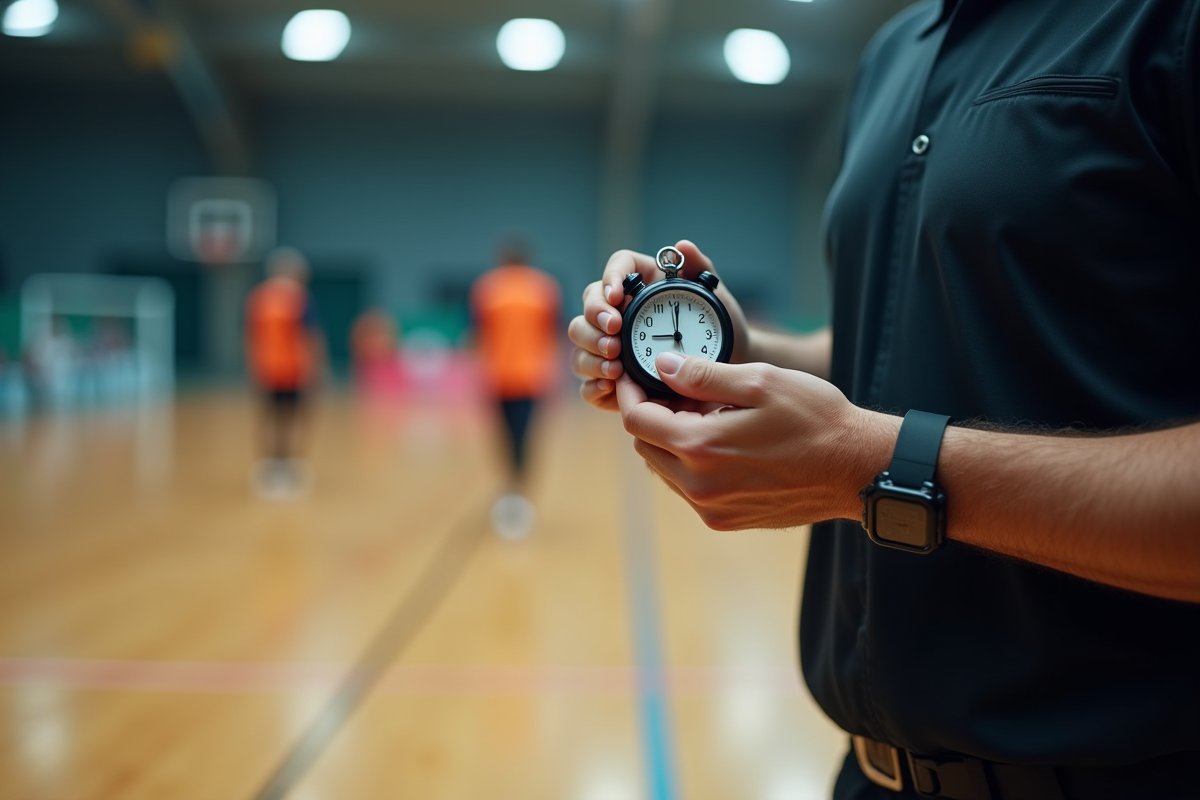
(921, 144)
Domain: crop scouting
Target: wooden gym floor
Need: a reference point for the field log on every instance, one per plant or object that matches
(166, 634)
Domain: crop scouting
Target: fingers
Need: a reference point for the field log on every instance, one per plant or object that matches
(600, 394)
(598, 311)
(595, 332)
(662, 462)
(596, 358)
(653, 422)
(694, 261)
(741, 385)
(603, 299)
(620, 264)
(588, 366)
(583, 334)
(629, 395)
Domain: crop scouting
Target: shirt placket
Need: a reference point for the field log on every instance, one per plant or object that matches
(917, 146)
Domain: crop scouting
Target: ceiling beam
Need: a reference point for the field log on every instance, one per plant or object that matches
(628, 124)
(160, 38)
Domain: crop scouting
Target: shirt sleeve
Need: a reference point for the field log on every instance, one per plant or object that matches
(311, 318)
(1190, 74)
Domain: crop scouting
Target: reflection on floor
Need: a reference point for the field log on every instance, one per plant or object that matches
(164, 632)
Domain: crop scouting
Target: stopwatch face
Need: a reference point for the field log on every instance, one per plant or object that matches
(675, 321)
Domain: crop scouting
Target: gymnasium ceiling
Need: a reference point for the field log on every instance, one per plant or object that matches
(444, 51)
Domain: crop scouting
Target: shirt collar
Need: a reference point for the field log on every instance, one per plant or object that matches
(938, 14)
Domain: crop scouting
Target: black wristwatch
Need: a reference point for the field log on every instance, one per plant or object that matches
(903, 507)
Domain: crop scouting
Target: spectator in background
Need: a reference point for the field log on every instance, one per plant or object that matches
(14, 395)
(286, 355)
(54, 364)
(374, 343)
(515, 311)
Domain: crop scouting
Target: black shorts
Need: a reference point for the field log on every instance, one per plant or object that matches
(283, 399)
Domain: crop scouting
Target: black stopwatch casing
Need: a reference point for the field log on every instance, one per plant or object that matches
(708, 326)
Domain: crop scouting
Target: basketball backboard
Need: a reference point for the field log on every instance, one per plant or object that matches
(220, 220)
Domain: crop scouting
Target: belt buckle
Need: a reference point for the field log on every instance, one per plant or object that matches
(924, 774)
(877, 774)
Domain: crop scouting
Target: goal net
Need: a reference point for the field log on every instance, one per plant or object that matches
(97, 339)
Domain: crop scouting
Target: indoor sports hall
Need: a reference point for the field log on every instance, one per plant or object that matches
(216, 588)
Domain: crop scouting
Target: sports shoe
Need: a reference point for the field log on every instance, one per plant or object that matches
(512, 516)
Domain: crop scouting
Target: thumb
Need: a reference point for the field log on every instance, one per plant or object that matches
(694, 261)
(699, 379)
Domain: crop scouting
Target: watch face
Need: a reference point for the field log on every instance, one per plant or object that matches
(675, 321)
(902, 521)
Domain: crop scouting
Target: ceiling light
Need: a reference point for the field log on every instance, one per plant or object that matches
(756, 56)
(531, 44)
(30, 17)
(316, 35)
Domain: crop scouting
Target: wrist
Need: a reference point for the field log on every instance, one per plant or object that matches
(746, 351)
(868, 441)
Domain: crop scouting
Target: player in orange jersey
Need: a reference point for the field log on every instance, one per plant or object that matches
(286, 356)
(515, 309)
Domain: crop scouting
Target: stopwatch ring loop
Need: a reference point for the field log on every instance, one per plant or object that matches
(670, 261)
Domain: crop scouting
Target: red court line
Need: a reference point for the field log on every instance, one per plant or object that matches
(271, 678)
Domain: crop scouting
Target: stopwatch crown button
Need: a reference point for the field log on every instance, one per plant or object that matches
(632, 284)
(709, 280)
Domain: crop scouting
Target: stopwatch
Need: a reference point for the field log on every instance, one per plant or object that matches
(672, 315)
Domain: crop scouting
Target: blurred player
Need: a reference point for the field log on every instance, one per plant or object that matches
(286, 355)
(515, 309)
(374, 343)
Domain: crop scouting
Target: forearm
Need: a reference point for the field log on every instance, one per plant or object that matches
(811, 353)
(1122, 510)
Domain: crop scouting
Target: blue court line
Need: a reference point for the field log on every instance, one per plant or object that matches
(642, 587)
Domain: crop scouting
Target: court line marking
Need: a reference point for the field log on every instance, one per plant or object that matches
(642, 587)
(414, 610)
(428, 679)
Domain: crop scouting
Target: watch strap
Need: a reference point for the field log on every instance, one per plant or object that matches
(915, 458)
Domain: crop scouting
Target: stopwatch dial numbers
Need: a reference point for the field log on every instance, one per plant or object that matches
(675, 322)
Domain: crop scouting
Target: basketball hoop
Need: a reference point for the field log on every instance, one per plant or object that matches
(218, 221)
(220, 231)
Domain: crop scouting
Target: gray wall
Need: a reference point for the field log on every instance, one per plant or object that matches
(84, 172)
(732, 187)
(424, 196)
(416, 199)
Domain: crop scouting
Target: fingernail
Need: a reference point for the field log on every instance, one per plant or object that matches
(668, 363)
(606, 369)
(604, 386)
(608, 291)
(605, 343)
(604, 318)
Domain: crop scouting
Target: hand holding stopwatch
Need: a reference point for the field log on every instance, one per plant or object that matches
(698, 322)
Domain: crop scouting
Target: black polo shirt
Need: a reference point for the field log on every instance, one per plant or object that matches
(1033, 257)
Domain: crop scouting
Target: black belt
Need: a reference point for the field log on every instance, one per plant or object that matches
(1175, 777)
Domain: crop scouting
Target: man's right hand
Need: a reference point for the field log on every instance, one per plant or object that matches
(596, 332)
